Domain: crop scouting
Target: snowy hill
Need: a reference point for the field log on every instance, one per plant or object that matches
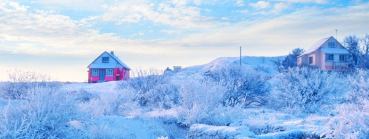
(215, 100)
(264, 64)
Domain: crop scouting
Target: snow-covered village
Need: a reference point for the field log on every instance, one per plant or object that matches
(184, 69)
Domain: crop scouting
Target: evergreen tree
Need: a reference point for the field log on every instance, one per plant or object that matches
(352, 44)
(291, 59)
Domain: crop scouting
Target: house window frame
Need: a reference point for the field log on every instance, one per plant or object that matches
(94, 72)
(311, 60)
(329, 57)
(331, 44)
(109, 72)
(105, 59)
(343, 58)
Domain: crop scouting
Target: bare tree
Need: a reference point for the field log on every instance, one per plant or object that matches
(365, 48)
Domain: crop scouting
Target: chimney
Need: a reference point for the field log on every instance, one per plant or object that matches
(112, 52)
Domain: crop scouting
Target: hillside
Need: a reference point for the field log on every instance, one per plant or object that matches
(214, 100)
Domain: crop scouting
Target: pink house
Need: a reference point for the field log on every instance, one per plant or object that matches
(327, 54)
(107, 67)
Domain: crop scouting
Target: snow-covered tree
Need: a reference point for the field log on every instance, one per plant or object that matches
(364, 62)
(304, 89)
(352, 44)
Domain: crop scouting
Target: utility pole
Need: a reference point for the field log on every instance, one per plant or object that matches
(337, 34)
(240, 56)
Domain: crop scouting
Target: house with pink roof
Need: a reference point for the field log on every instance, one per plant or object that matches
(107, 67)
(327, 54)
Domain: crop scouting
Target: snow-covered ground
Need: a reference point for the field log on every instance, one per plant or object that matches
(203, 101)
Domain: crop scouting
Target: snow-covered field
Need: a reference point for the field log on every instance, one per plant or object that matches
(216, 100)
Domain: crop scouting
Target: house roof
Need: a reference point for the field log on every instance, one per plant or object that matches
(104, 65)
(317, 45)
(321, 43)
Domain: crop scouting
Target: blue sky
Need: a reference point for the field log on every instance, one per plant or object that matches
(60, 38)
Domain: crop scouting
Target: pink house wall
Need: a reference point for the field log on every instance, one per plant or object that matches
(92, 78)
(320, 62)
(122, 73)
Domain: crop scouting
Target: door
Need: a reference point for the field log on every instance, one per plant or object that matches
(102, 75)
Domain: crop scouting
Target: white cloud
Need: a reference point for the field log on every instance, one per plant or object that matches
(42, 33)
(240, 3)
(45, 33)
(280, 6)
(260, 4)
(279, 35)
(173, 13)
(81, 5)
(307, 1)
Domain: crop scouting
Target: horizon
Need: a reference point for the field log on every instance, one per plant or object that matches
(60, 38)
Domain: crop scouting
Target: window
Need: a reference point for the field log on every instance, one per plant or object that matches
(95, 72)
(311, 60)
(331, 44)
(342, 58)
(109, 72)
(105, 59)
(329, 57)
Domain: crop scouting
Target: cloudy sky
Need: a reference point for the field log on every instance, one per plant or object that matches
(61, 37)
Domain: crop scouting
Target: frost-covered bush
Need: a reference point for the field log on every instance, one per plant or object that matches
(213, 132)
(45, 114)
(155, 91)
(22, 83)
(351, 122)
(84, 96)
(244, 86)
(305, 89)
(359, 86)
(198, 101)
(163, 96)
(97, 103)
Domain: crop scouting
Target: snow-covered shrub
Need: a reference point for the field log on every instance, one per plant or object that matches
(351, 122)
(97, 103)
(118, 127)
(22, 83)
(203, 131)
(305, 89)
(214, 132)
(265, 129)
(84, 96)
(45, 114)
(198, 101)
(359, 87)
(164, 96)
(244, 86)
(155, 91)
(291, 134)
